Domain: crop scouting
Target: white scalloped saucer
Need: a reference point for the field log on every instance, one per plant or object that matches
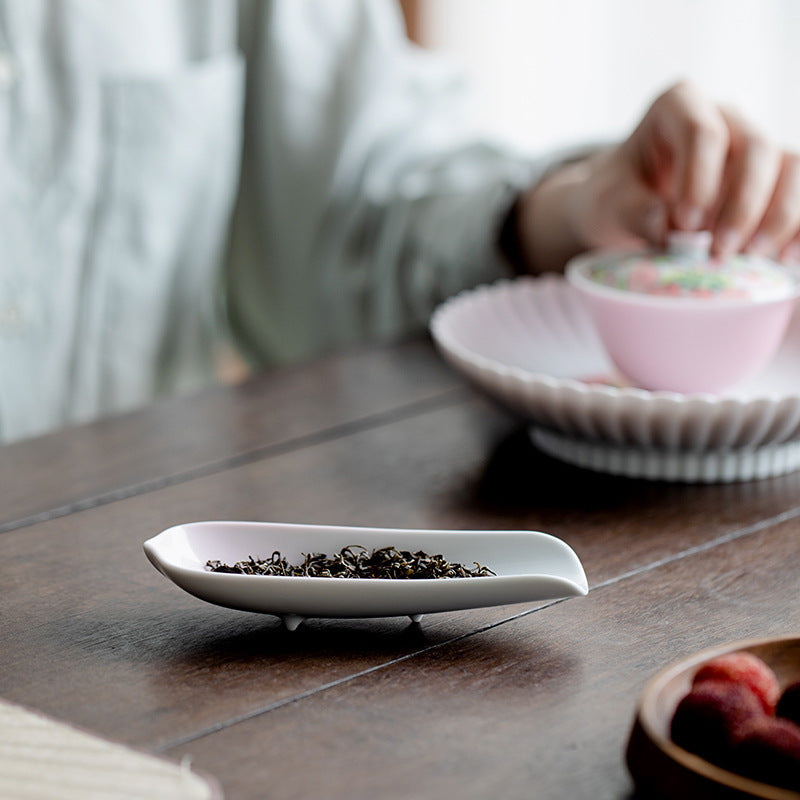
(531, 345)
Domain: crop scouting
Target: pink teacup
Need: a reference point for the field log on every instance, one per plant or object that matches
(681, 322)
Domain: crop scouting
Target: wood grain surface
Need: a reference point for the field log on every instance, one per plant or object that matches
(538, 706)
(532, 701)
(179, 439)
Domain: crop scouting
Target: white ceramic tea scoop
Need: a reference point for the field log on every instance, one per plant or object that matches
(529, 566)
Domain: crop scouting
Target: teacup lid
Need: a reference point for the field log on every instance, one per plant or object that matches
(687, 269)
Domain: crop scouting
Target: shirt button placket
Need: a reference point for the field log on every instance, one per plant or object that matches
(11, 320)
(8, 70)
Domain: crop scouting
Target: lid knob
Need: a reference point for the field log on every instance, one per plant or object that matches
(689, 244)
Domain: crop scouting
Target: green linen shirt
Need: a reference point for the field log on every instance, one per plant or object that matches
(289, 175)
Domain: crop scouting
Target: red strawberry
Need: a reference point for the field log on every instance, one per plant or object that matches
(768, 750)
(743, 668)
(708, 720)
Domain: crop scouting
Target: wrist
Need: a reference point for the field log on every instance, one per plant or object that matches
(551, 217)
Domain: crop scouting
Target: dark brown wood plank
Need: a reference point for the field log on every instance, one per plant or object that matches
(537, 707)
(94, 635)
(95, 620)
(140, 450)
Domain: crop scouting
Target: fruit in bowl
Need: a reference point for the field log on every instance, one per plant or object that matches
(721, 723)
(681, 321)
(732, 717)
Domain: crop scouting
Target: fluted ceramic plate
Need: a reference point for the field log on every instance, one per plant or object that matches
(529, 565)
(531, 345)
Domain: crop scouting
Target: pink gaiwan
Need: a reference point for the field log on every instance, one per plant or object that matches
(682, 322)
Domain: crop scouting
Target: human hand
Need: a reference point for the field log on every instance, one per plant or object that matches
(688, 165)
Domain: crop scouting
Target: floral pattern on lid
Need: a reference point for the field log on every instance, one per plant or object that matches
(686, 270)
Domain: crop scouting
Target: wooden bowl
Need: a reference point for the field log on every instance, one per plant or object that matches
(662, 769)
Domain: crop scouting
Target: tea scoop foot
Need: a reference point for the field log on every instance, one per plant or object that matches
(292, 621)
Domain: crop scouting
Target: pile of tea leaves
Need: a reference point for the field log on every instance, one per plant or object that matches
(356, 561)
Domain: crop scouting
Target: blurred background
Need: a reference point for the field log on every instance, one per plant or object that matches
(555, 72)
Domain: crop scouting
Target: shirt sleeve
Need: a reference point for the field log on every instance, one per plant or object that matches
(369, 192)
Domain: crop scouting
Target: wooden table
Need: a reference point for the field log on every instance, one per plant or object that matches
(522, 701)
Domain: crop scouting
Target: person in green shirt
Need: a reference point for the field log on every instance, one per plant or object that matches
(285, 177)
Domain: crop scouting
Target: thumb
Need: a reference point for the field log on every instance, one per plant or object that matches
(620, 209)
(640, 214)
